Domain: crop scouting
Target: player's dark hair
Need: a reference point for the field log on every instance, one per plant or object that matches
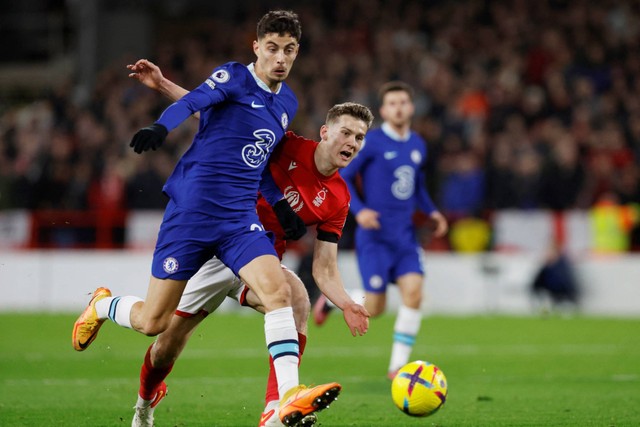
(394, 86)
(352, 109)
(281, 22)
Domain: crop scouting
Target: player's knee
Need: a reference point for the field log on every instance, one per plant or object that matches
(375, 311)
(153, 327)
(412, 298)
(278, 297)
(375, 307)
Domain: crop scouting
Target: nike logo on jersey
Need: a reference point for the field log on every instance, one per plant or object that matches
(293, 165)
(254, 105)
(388, 155)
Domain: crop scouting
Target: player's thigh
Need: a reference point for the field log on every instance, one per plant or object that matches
(264, 276)
(375, 302)
(163, 296)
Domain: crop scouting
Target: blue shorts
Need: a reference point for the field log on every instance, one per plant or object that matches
(188, 239)
(382, 263)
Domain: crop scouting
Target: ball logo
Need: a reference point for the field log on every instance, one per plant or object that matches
(221, 76)
(284, 120)
(170, 265)
(255, 154)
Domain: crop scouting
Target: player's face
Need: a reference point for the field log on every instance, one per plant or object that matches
(397, 108)
(344, 138)
(275, 55)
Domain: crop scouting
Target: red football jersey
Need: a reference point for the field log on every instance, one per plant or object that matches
(319, 200)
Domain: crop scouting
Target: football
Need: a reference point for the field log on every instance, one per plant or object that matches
(419, 389)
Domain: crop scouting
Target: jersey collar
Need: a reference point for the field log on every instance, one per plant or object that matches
(386, 128)
(260, 83)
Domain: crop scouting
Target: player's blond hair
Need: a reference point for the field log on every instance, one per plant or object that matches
(352, 109)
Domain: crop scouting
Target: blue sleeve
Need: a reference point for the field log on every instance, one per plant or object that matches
(196, 100)
(349, 175)
(224, 83)
(269, 189)
(424, 200)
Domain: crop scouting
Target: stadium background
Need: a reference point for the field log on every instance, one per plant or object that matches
(531, 111)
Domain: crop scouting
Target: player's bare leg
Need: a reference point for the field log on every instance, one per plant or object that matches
(299, 300)
(375, 303)
(153, 315)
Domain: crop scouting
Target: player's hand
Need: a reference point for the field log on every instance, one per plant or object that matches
(149, 138)
(440, 224)
(147, 73)
(293, 226)
(357, 319)
(368, 219)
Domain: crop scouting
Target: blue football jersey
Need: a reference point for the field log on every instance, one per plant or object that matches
(393, 180)
(241, 121)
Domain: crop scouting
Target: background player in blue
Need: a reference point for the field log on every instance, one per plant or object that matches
(244, 112)
(391, 167)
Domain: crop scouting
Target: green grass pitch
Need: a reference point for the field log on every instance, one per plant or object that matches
(502, 371)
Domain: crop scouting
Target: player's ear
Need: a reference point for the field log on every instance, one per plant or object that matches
(256, 47)
(324, 130)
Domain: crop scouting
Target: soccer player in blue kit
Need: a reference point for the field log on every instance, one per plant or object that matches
(391, 168)
(244, 112)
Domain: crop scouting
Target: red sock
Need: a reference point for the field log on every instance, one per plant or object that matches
(272, 382)
(151, 377)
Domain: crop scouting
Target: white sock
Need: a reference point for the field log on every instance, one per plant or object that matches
(282, 343)
(142, 403)
(405, 331)
(118, 309)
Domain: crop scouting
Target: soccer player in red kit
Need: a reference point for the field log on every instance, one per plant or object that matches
(303, 173)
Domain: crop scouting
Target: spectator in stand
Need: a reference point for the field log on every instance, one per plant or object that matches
(495, 64)
(563, 176)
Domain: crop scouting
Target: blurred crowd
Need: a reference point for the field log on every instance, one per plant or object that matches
(525, 105)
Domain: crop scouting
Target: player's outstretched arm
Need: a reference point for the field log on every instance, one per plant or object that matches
(150, 75)
(327, 276)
